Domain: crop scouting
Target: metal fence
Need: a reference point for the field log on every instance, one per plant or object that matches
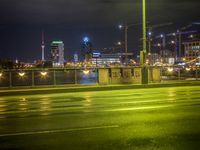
(9, 78)
(180, 73)
(37, 77)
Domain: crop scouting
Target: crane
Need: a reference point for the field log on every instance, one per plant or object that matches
(150, 28)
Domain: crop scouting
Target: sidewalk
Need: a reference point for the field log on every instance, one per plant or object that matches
(93, 87)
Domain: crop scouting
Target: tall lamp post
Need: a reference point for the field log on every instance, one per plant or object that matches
(126, 38)
(143, 51)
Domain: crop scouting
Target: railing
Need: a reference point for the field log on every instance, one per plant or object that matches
(36, 77)
(180, 73)
(52, 76)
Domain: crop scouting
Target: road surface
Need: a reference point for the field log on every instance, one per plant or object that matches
(139, 119)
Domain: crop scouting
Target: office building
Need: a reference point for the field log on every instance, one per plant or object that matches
(57, 53)
(191, 50)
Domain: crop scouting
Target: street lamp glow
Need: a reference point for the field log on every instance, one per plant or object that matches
(1, 74)
(43, 73)
(191, 36)
(119, 43)
(120, 26)
(149, 33)
(21, 74)
(86, 72)
(161, 35)
(172, 42)
(158, 44)
(187, 69)
(170, 69)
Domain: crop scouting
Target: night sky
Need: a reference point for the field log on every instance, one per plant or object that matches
(22, 21)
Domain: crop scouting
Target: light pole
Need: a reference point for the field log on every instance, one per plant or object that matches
(143, 50)
(126, 38)
(144, 45)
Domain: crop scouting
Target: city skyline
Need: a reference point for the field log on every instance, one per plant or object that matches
(22, 23)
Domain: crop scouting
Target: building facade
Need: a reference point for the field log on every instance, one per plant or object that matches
(57, 53)
(191, 50)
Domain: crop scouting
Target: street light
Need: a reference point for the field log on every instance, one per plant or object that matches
(43, 73)
(187, 69)
(170, 69)
(21, 74)
(143, 51)
(119, 43)
(86, 72)
(126, 37)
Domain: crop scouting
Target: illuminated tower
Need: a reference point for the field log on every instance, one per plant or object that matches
(42, 46)
(86, 49)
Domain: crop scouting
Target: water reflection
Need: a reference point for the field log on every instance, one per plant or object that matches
(23, 104)
(45, 106)
(3, 105)
(87, 78)
(87, 103)
(172, 95)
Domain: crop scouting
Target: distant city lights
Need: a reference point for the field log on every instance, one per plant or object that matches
(158, 44)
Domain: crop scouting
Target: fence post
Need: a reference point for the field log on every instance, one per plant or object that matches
(54, 77)
(33, 78)
(179, 74)
(75, 75)
(97, 76)
(161, 73)
(10, 78)
(196, 73)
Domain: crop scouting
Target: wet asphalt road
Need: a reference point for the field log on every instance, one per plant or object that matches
(157, 118)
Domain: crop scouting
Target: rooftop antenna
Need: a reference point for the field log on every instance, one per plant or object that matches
(42, 46)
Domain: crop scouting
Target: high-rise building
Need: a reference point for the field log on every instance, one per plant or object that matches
(57, 53)
(191, 49)
(86, 49)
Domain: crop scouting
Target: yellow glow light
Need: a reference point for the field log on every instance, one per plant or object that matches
(86, 71)
(187, 69)
(21, 74)
(170, 69)
(1, 74)
(43, 73)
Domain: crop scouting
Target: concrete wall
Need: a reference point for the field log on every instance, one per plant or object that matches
(127, 75)
(137, 75)
(115, 76)
(156, 75)
(103, 76)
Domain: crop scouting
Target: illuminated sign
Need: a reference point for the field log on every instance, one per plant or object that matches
(96, 55)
